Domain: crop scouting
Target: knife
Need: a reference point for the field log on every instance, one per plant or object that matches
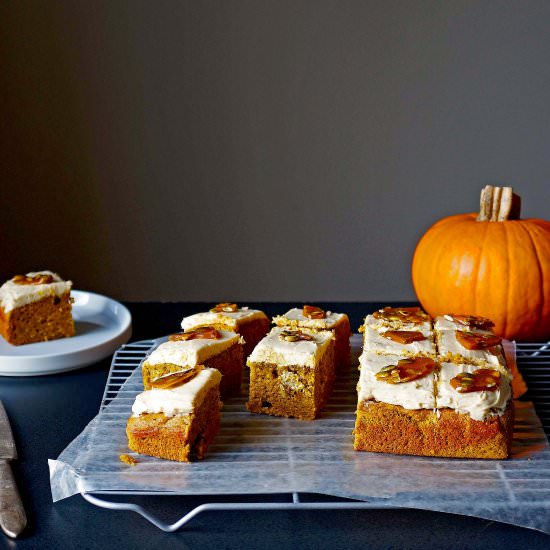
(12, 514)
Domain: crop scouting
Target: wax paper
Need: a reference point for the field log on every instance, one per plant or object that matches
(257, 454)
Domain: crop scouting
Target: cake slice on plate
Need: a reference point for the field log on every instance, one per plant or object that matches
(36, 307)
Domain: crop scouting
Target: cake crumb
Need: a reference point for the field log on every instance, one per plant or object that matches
(127, 459)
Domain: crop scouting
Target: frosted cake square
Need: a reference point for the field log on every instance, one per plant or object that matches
(36, 307)
(407, 343)
(429, 406)
(251, 324)
(205, 346)
(178, 423)
(315, 318)
(473, 343)
(292, 373)
(399, 318)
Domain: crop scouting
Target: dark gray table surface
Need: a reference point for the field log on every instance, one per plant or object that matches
(47, 412)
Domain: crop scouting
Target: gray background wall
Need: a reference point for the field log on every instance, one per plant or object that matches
(261, 150)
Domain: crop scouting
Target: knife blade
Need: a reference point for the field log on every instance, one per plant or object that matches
(12, 514)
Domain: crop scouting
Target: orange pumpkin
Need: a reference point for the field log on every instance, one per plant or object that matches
(490, 264)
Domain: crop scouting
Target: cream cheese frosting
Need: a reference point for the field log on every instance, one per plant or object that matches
(433, 391)
(416, 394)
(375, 341)
(14, 295)
(479, 404)
(231, 319)
(378, 324)
(307, 353)
(192, 352)
(451, 349)
(180, 400)
(446, 322)
(295, 317)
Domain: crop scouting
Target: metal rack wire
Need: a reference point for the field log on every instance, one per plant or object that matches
(533, 361)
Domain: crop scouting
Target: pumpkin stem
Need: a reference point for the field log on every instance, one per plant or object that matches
(498, 204)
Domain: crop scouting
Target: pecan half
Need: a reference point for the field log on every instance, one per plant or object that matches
(201, 333)
(473, 341)
(225, 307)
(479, 380)
(404, 336)
(471, 321)
(403, 314)
(175, 379)
(406, 370)
(313, 312)
(290, 335)
(39, 279)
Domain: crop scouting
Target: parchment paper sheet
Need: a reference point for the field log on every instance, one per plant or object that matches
(261, 454)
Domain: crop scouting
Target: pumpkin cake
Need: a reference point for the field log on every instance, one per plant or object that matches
(408, 343)
(292, 373)
(177, 422)
(315, 318)
(416, 393)
(405, 331)
(399, 318)
(251, 324)
(469, 339)
(205, 346)
(428, 406)
(36, 307)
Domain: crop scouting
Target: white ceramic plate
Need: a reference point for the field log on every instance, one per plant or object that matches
(102, 325)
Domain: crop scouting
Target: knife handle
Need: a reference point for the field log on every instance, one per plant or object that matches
(12, 514)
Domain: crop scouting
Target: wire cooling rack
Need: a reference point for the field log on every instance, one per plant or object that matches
(516, 482)
(534, 363)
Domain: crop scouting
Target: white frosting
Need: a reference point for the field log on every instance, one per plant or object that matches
(416, 394)
(377, 324)
(434, 391)
(451, 349)
(479, 405)
(191, 352)
(231, 319)
(179, 400)
(445, 322)
(295, 317)
(307, 353)
(375, 341)
(13, 295)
